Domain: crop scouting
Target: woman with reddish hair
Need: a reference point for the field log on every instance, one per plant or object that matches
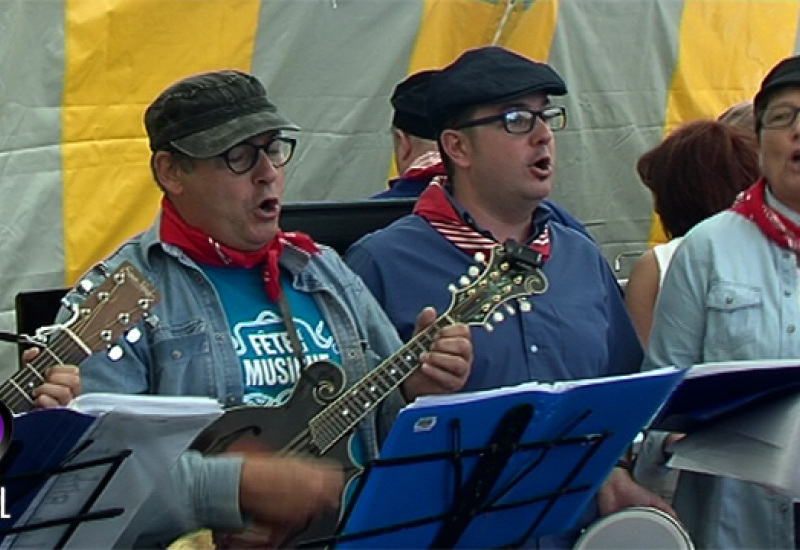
(694, 173)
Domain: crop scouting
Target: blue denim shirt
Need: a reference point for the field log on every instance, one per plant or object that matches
(729, 294)
(186, 349)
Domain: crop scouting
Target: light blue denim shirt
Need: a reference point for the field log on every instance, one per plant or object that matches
(729, 294)
(186, 349)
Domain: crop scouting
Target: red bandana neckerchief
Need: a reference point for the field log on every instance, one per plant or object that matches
(200, 247)
(437, 210)
(775, 226)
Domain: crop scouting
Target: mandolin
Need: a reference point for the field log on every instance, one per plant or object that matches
(109, 310)
(320, 417)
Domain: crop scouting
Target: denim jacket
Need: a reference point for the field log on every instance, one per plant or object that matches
(729, 294)
(186, 349)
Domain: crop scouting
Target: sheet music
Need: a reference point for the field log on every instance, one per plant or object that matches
(760, 445)
(713, 391)
(156, 429)
(556, 387)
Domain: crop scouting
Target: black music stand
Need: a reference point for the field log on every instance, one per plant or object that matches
(44, 452)
(496, 470)
(62, 528)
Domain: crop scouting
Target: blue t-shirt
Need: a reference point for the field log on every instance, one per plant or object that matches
(270, 369)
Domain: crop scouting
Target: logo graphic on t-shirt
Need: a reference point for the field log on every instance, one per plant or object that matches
(269, 363)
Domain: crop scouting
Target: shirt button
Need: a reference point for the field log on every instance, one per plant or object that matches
(728, 300)
(534, 348)
(790, 329)
(231, 399)
(177, 354)
(787, 293)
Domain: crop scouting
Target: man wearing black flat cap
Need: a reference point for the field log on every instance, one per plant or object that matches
(416, 152)
(495, 124)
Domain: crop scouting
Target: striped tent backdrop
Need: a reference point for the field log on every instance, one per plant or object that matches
(76, 76)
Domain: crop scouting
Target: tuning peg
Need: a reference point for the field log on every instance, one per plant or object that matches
(85, 286)
(480, 257)
(498, 317)
(464, 280)
(524, 305)
(474, 271)
(489, 327)
(452, 288)
(115, 353)
(101, 269)
(510, 309)
(133, 335)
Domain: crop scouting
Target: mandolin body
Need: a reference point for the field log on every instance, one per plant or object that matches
(284, 430)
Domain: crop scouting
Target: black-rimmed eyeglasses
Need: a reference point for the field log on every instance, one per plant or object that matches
(241, 158)
(782, 116)
(522, 121)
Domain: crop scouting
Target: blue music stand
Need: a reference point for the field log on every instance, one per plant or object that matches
(494, 469)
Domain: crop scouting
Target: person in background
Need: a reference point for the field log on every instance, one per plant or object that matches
(416, 152)
(244, 307)
(740, 115)
(494, 120)
(697, 171)
(731, 294)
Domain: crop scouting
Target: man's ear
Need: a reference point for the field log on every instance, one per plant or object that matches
(402, 146)
(457, 146)
(167, 171)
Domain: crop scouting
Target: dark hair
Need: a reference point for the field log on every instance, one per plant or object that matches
(697, 171)
(456, 119)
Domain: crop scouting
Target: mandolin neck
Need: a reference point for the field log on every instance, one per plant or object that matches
(343, 414)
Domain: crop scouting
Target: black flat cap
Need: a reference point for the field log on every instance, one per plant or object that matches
(785, 73)
(484, 76)
(409, 102)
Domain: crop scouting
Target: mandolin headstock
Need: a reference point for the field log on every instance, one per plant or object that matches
(511, 274)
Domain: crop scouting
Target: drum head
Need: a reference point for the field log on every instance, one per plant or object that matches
(635, 528)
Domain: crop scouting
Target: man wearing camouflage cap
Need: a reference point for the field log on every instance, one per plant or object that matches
(244, 306)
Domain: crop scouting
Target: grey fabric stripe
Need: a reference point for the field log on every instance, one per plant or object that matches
(31, 229)
(338, 62)
(617, 58)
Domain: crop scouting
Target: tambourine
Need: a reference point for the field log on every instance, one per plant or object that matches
(635, 528)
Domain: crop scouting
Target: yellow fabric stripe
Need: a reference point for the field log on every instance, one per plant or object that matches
(448, 27)
(119, 55)
(531, 31)
(726, 47)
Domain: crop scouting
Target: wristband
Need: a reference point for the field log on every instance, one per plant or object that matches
(625, 465)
